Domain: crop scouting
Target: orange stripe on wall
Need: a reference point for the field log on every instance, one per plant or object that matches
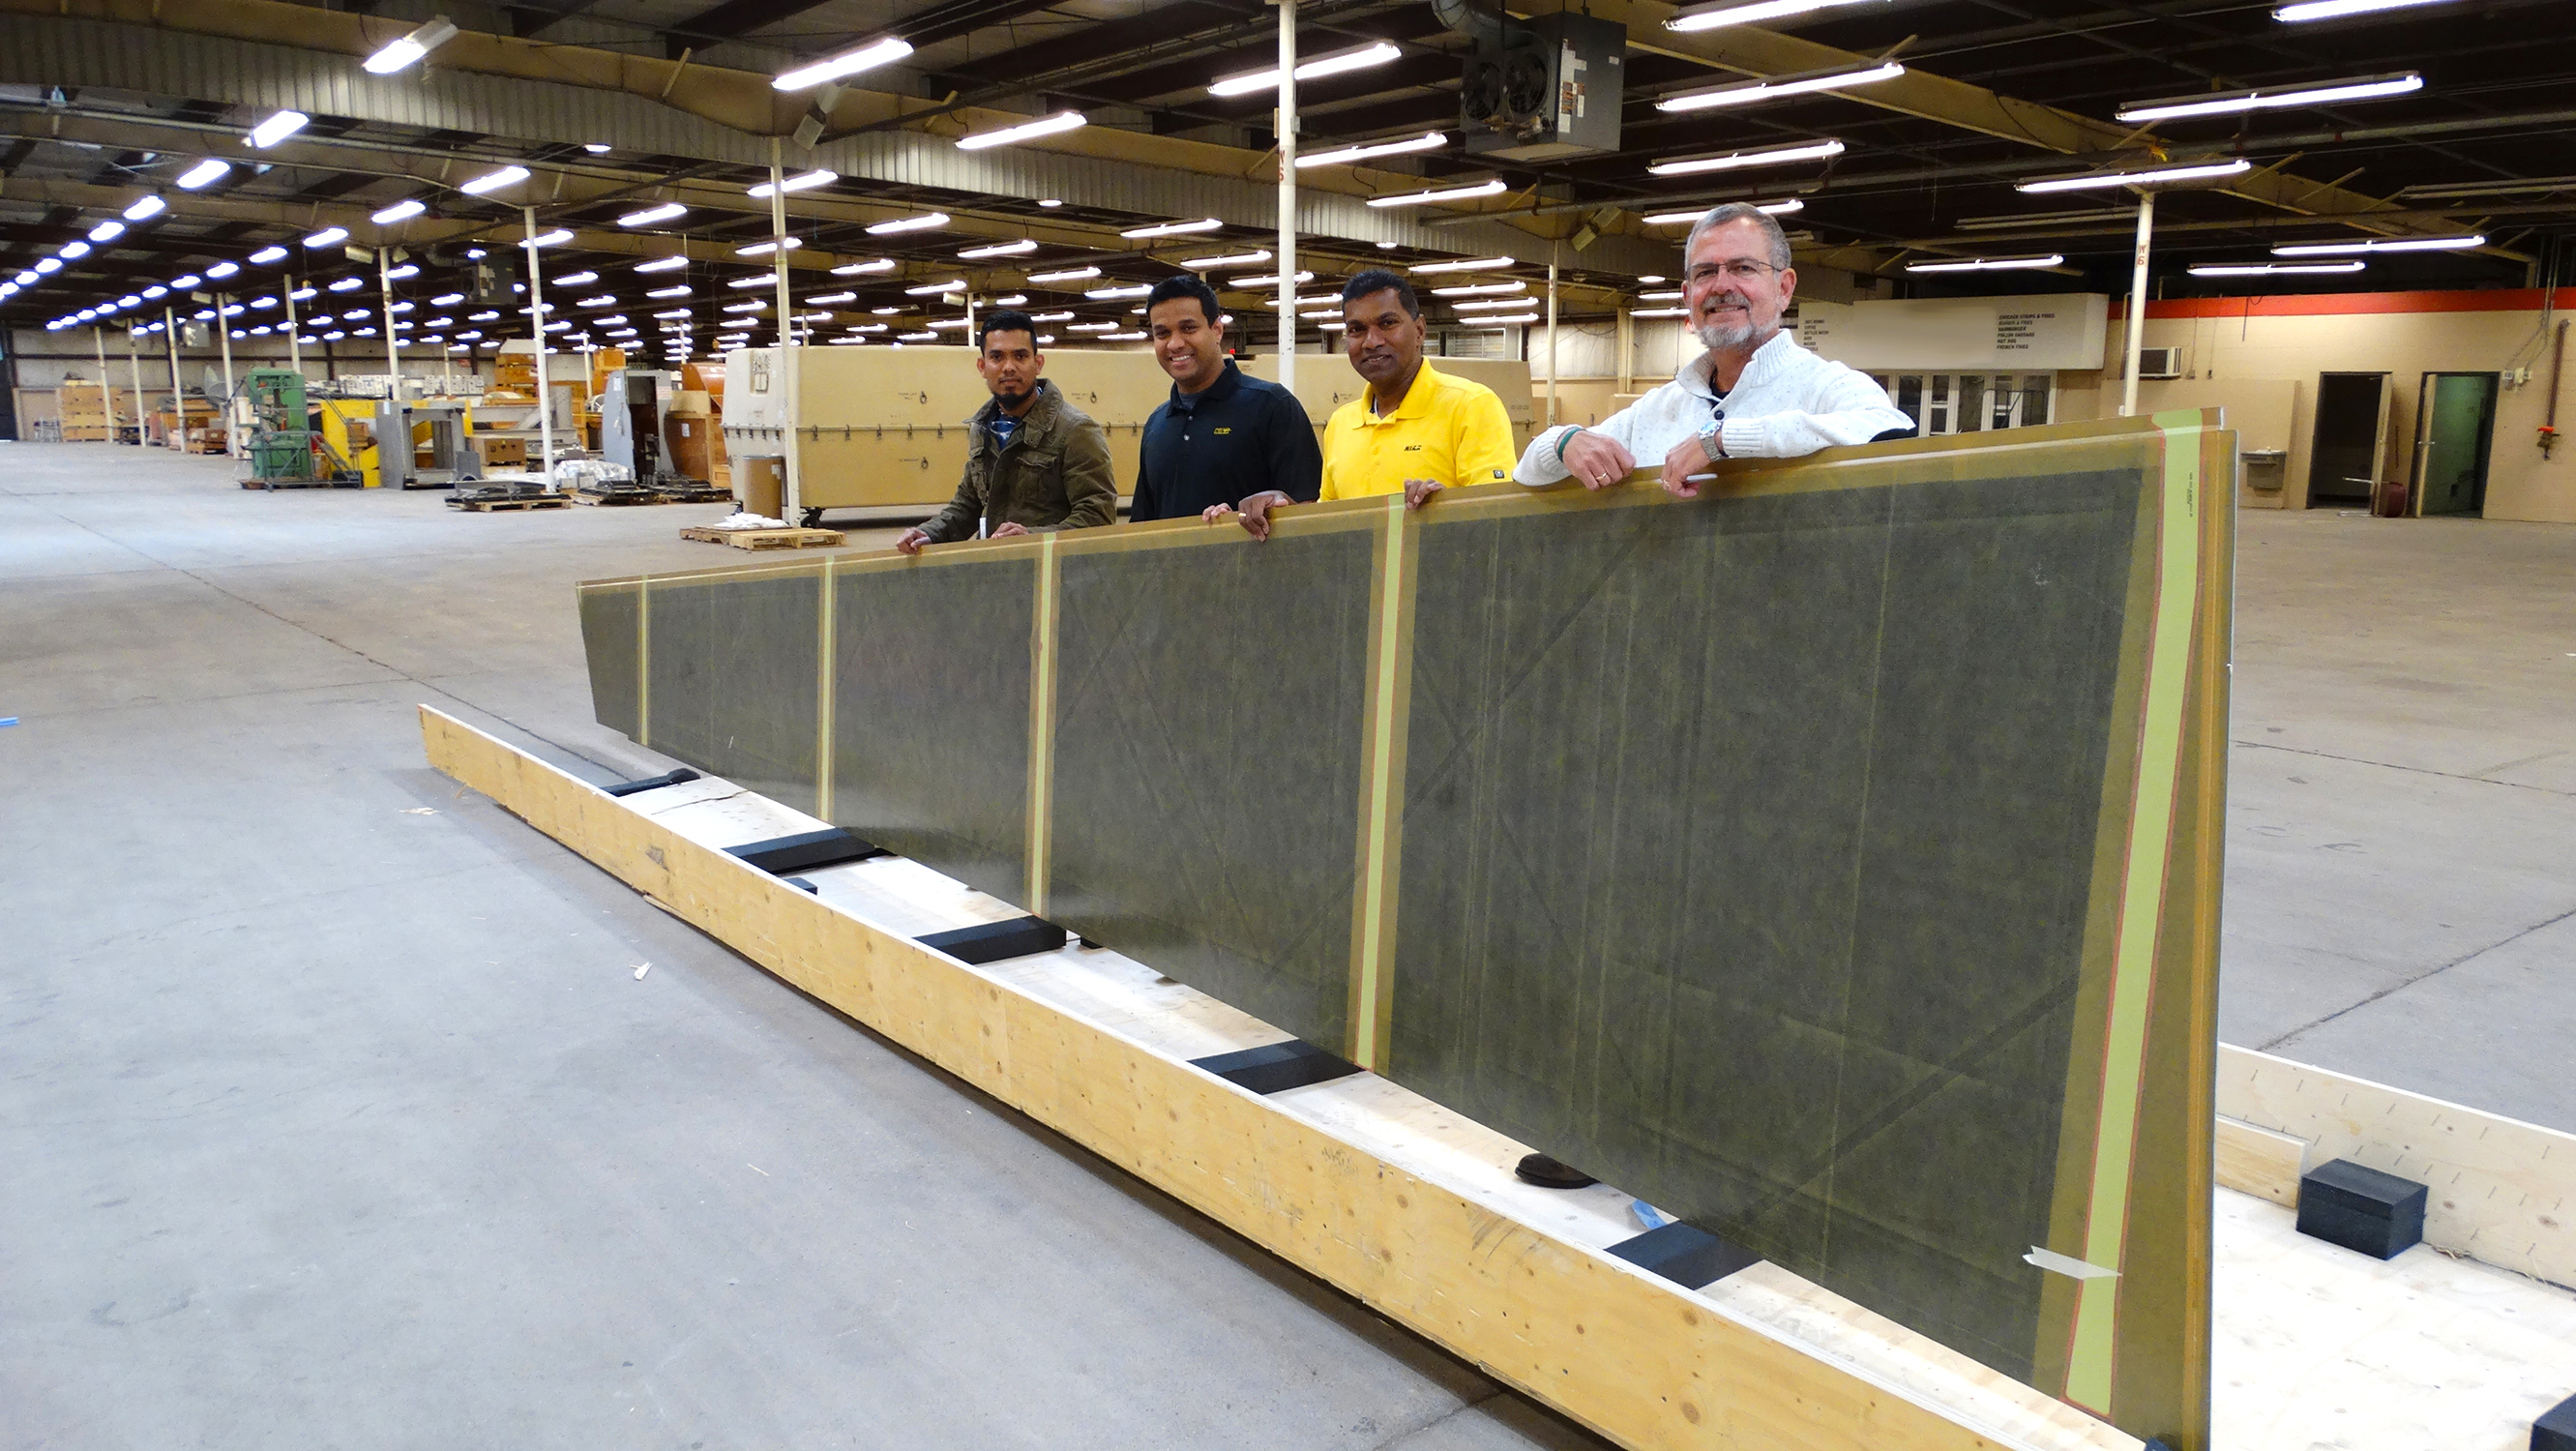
(2338, 304)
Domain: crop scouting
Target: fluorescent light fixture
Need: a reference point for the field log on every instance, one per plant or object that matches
(647, 217)
(801, 181)
(1345, 155)
(1718, 16)
(1316, 69)
(1258, 282)
(1069, 274)
(1093, 327)
(277, 128)
(1106, 294)
(398, 212)
(933, 289)
(2269, 269)
(1231, 259)
(1746, 93)
(1518, 317)
(492, 181)
(755, 305)
(107, 231)
(1660, 312)
(2337, 9)
(946, 323)
(1055, 125)
(829, 299)
(763, 249)
(428, 37)
(602, 300)
(2273, 98)
(1491, 303)
(555, 238)
(1014, 299)
(574, 279)
(847, 63)
(1470, 264)
(890, 311)
(151, 206)
(72, 251)
(2122, 216)
(1737, 160)
(2491, 188)
(2381, 244)
(1019, 248)
(2145, 176)
(924, 337)
(345, 284)
(1122, 337)
(680, 291)
(1480, 289)
(447, 299)
(853, 269)
(328, 236)
(1440, 194)
(1171, 229)
(224, 269)
(1990, 264)
(674, 312)
(266, 255)
(1674, 295)
(923, 223)
(1050, 317)
(756, 279)
(302, 294)
(661, 264)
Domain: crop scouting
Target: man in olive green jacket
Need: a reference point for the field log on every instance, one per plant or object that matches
(1036, 462)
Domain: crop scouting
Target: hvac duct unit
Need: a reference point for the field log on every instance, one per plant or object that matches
(2159, 362)
(1546, 89)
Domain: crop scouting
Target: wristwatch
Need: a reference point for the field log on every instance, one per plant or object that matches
(1711, 442)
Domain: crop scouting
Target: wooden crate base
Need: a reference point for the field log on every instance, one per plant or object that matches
(767, 538)
(491, 506)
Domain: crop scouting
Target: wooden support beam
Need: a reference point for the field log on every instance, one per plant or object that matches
(1629, 1355)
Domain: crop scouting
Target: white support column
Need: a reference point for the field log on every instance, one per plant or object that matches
(134, 372)
(224, 340)
(1555, 361)
(792, 486)
(2137, 304)
(1287, 122)
(178, 390)
(385, 298)
(537, 329)
(106, 386)
(294, 342)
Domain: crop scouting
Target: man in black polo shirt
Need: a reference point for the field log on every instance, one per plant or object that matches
(1222, 437)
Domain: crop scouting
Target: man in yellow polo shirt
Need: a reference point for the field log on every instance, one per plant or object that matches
(1416, 430)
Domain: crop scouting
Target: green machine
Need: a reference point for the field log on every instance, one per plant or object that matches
(285, 451)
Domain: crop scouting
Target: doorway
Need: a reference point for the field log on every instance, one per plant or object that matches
(2454, 427)
(2351, 435)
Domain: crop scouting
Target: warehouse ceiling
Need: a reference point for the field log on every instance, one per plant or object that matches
(1992, 95)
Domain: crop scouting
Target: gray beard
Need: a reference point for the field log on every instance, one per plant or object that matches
(1718, 336)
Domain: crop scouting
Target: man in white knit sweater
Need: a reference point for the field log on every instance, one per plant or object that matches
(1754, 394)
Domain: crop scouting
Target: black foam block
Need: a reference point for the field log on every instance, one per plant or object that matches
(649, 783)
(783, 854)
(802, 885)
(1276, 1067)
(994, 941)
(2556, 1428)
(2361, 1209)
(1686, 1255)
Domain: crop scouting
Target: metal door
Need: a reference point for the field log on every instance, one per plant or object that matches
(2454, 423)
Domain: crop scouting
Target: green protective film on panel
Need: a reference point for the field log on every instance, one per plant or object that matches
(608, 624)
(732, 669)
(1746, 860)
(1207, 766)
(930, 716)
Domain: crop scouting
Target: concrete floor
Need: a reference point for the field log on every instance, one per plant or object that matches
(335, 1114)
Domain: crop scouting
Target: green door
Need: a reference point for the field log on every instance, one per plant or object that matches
(2454, 423)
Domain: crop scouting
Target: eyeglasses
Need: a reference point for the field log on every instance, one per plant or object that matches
(1742, 269)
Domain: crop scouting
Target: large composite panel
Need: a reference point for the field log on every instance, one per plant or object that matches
(1832, 860)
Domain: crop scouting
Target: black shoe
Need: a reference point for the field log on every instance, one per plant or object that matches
(1547, 1173)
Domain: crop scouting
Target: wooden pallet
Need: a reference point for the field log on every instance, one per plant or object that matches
(688, 496)
(490, 506)
(767, 538)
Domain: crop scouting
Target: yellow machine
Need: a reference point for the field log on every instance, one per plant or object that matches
(348, 428)
(878, 426)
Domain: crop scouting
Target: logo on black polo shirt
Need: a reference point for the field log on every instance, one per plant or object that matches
(1222, 431)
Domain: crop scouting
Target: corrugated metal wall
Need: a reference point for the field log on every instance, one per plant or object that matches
(43, 51)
